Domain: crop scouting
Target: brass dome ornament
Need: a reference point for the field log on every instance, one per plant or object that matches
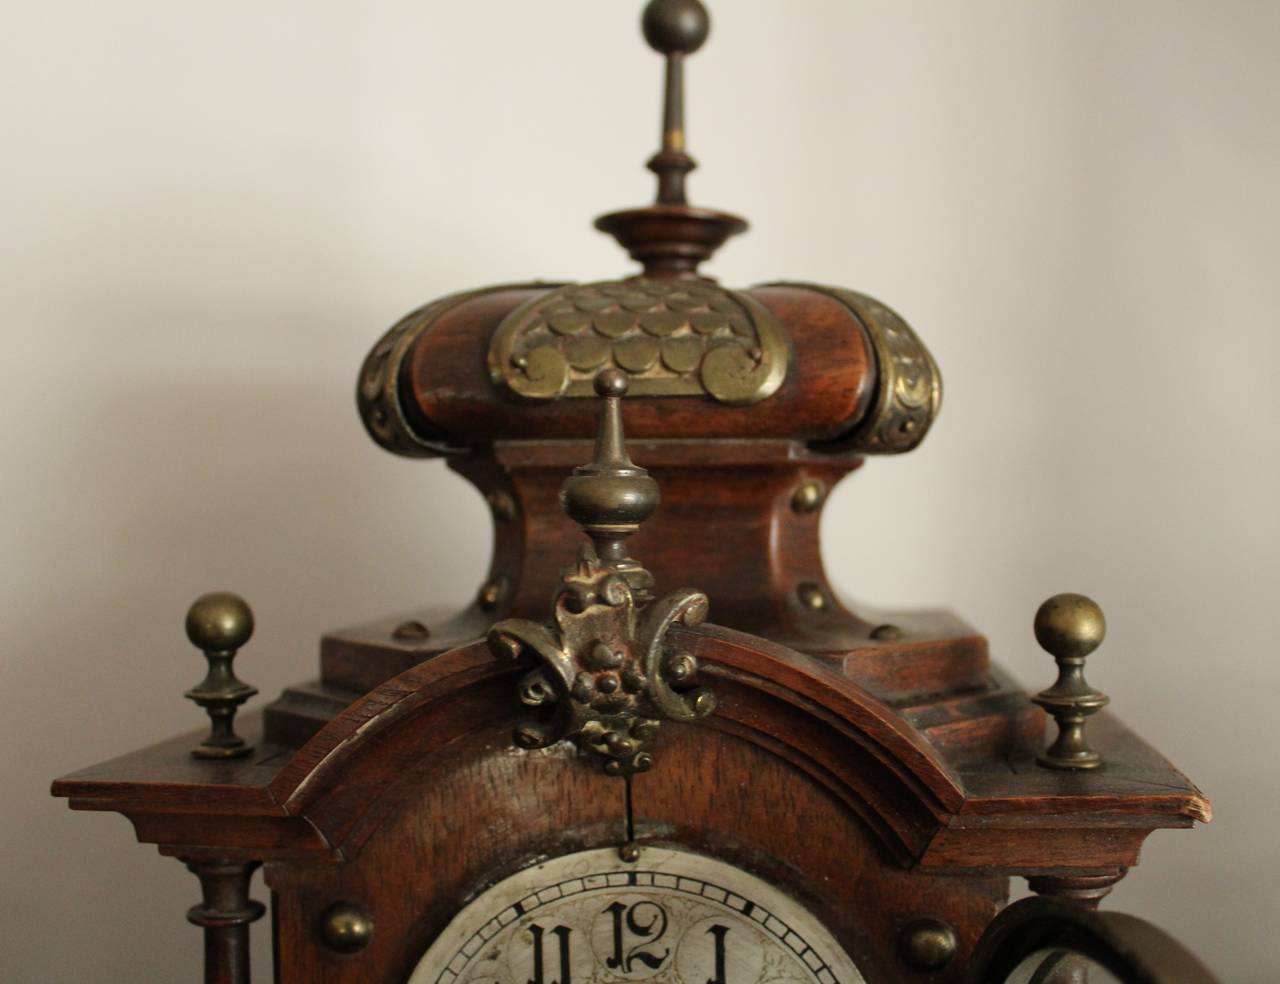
(220, 623)
(607, 674)
(1069, 627)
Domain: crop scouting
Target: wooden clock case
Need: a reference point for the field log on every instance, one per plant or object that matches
(877, 767)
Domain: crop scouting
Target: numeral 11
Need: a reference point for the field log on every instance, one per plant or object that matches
(538, 974)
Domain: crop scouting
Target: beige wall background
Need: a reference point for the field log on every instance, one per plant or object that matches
(211, 211)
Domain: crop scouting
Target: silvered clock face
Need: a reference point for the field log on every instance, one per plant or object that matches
(672, 917)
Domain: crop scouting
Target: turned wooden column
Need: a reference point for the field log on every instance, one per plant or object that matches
(1085, 890)
(225, 914)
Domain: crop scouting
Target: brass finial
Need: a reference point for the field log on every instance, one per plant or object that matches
(220, 623)
(674, 28)
(1069, 627)
(670, 237)
(611, 496)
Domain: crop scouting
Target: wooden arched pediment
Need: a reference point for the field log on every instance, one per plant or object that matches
(789, 705)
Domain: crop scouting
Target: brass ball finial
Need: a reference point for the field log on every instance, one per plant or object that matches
(675, 26)
(1070, 627)
(612, 382)
(219, 623)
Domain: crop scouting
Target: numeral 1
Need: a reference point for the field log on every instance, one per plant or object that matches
(616, 910)
(719, 932)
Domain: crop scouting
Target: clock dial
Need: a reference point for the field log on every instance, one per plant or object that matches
(672, 917)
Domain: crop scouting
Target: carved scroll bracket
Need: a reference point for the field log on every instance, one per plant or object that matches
(607, 674)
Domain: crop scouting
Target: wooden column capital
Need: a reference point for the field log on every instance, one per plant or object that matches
(224, 914)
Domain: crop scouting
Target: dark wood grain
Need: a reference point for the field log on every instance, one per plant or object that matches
(447, 389)
(412, 799)
(931, 665)
(225, 913)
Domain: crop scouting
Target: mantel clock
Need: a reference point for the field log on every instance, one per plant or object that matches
(658, 746)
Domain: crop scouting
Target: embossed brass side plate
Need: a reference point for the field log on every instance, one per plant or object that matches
(908, 383)
(671, 338)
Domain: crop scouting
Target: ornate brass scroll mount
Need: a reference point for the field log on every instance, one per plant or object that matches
(607, 675)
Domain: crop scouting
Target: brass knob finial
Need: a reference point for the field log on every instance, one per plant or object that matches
(670, 237)
(1069, 627)
(220, 623)
(674, 28)
(610, 496)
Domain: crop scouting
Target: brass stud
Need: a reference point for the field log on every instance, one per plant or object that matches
(927, 944)
(492, 593)
(346, 927)
(811, 596)
(1069, 627)
(411, 631)
(608, 683)
(502, 505)
(808, 496)
(886, 633)
(629, 852)
(220, 623)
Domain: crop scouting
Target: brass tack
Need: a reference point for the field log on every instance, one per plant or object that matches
(502, 505)
(808, 496)
(811, 596)
(346, 927)
(927, 944)
(492, 593)
(411, 631)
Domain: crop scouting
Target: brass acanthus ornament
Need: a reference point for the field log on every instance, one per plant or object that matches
(607, 674)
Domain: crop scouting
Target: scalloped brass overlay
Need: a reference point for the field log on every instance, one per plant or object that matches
(670, 337)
